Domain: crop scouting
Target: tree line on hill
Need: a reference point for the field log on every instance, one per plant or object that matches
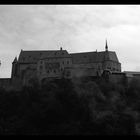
(71, 107)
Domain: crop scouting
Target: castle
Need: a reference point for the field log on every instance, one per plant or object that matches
(48, 64)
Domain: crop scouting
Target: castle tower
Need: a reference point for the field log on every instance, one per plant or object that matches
(107, 63)
(14, 68)
(106, 54)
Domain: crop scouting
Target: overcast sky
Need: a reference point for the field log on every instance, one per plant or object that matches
(76, 28)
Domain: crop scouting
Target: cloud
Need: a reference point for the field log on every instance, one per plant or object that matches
(74, 27)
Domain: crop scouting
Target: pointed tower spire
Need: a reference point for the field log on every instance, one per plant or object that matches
(106, 46)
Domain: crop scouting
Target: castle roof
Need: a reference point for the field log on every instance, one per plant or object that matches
(34, 56)
(86, 57)
(83, 57)
(15, 60)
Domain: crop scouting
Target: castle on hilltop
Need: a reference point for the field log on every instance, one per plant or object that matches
(59, 63)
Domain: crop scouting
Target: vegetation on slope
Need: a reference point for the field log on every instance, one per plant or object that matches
(68, 107)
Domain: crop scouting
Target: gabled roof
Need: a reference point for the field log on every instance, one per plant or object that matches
(84, 57)
(91, 57)
(113, 56)
(34, 56)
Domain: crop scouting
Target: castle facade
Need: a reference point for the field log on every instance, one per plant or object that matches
(59, 63)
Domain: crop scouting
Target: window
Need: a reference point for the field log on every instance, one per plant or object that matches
(63, 62)
(41, 62)
(47, 71)
(41, 67)
(68, 74)
(54, 71)
(67, 62)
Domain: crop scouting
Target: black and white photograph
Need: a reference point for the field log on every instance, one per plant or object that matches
(70, 69)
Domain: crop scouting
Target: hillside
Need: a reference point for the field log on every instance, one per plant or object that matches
(78, 107)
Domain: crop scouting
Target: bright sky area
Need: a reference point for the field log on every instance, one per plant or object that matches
(76, 28)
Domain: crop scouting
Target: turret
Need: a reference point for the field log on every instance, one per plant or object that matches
(14, 67)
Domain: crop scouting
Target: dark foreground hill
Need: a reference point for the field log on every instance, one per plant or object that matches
(68, 107)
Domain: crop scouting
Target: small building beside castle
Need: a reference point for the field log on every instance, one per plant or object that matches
(48, 64)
